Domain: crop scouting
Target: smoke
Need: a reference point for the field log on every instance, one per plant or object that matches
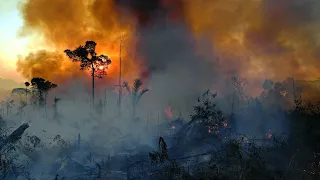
(266, 38)
(178, 72)
(185, 46)
(64, 25)
(40, 64)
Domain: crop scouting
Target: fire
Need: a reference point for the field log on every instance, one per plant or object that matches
(101, 67)
(224, 123)
(255, 39)
(97, 20)
(213, 131)
(168, 112)
(283, 93)
(269, 134)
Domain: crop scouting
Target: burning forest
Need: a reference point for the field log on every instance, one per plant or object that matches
(164, 89)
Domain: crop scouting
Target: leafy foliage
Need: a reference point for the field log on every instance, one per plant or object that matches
(27, 84)
(20, 91)
(206, 112)
(136, 92)
(42, 87)
(89, 60)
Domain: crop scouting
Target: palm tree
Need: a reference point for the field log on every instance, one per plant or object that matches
(136, 92)
(27, 84)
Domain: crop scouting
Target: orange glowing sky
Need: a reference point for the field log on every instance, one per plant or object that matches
(259, 38)
(11, 46)
(27, 48)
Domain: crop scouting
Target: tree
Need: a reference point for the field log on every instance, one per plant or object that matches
(21, 108)
(19, 91)
(27, 84)
(89, 60)
(55, 108)
(42, 88)
(267, 84)
(238, 90)
(206, 116)
(136, 92)
(9, 104)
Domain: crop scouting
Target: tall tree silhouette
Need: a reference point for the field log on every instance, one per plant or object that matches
(19, 91)
(42, 88)
(55, 108)
(136, 92)
(27, 84)
(89, 60)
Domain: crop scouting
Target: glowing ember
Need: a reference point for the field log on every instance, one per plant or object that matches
(269, 135)
(283, 93)
(224, 123)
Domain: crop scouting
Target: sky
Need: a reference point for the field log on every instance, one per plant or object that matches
(11, 46)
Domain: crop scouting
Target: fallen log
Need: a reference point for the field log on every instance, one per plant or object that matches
(15, 135)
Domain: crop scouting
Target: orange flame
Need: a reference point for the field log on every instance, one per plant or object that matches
(224, 123)
(168, 112)
(269, 135)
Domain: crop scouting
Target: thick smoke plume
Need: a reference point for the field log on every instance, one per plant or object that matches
(175, 40)
(264, 38)
(68, 24)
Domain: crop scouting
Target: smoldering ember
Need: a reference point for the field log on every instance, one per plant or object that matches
(159, 89)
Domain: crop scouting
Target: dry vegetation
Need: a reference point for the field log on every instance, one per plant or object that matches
(293, 154)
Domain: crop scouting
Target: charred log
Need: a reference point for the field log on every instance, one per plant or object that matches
(15, 135)
(162, 154)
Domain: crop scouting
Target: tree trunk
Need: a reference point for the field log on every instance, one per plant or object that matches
(232, 106)
(45, 103)
(134, 111)
(93, 71)
(27, 95)
(134, 105)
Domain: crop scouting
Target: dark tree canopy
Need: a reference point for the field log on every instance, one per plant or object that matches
(88, 58)
(42, 85)
(19, 91)
(267, 84)
(27, 84)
